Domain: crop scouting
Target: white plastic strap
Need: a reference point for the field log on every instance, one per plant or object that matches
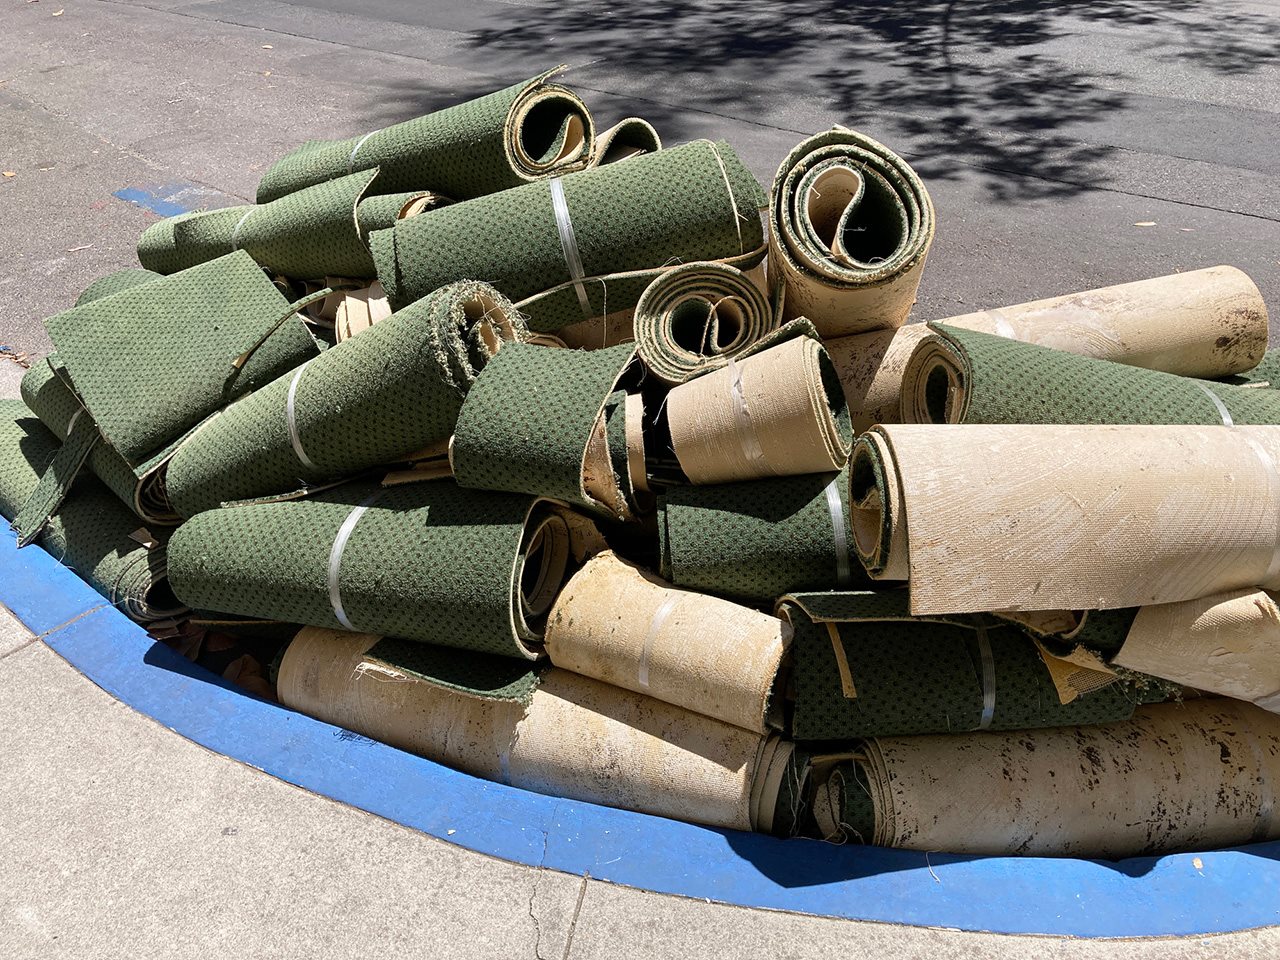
(290, 416)
(1223, 412)
(351, 160)
(839, 536)
(235, 234)
(988, 679)
(335, 556)
(569, 243)
(1269, 463)
(746, 431)
(71, 424)
(655, 626)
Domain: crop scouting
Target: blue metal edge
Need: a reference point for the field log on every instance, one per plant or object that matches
(1176, 895)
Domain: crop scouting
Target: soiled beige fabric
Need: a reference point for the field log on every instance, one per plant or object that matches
(358, 310)
(1017, 517)
(1152, 784)
(1227, 644)
(768, 415)
(1202, 323)
(624, 626)
(578, 738)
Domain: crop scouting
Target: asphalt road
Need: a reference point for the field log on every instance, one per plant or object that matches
(1045, 137)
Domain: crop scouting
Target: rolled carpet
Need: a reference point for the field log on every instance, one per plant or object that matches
(862, 666)
(963, 376)
(547, 421)
(697, 317)
(529, 130)
(850, 224)
(317, 232)
(1208, 323)
(574, 737)
(1197, 775)
(92, 532)
(1029, 517)
(760, 539)
(586, 245)
(779, 412)
(153, 361)
(623, 626)
(371, 400)
(115, 282)
(424, 561)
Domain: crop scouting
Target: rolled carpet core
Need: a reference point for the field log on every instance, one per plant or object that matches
(1054, 517)
(779, 412)
(850, 227)
(1197, 775)
(694, 318)
(624, 626)
(574, 737)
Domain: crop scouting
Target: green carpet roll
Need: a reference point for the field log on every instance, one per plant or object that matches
(374, 399)
(153, 361)
(964, 376)
(759, 539)
(92, 533)
(526, 131)
(692, 319)
(537, 421)
(850, 225)
(862, 666)
(318, 232)
(423, 561)
(115, 282)
(619, 227)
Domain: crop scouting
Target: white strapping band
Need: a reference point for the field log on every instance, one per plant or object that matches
(569, 243)
(1269, 463)
(71, 424)
(988, 679)
(839, 536)
(351, 160)
(1223, 412)
(655, 625)
(335, 556)
(294, 437)
(746, 431)
(235, 234)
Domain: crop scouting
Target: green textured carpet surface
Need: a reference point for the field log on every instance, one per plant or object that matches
(525, 425)
(759, 539)
(630, 220)
(477, 674)
(114, 283)
(915, 675)
(152, 361)
(92, 531)
(372, 399)
(425, 561)
(1007, 381)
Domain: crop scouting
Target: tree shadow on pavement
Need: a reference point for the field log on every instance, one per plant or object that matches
(993, 83)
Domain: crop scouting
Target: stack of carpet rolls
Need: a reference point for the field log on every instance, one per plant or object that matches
(590, 467)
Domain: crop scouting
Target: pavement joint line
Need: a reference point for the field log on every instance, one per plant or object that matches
(19, 648)
(712, 113)
(573, 921)
(67, 623)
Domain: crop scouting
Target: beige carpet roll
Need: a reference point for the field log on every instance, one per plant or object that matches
(1031, 517)
(358, 310)
(1227, 644)
(1193, 776)
(1203, 323)
(625, 627)
(776, 413)
(577, 738)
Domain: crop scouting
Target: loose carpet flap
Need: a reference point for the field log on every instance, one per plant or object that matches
(524, 132)
(91, 531)
(623, 626)
(576, 737)
(863, 666)
(114, 283)
(850, 225)
(536, 422)
(585, 245)
(1197, 775)
(964, 376)
(1052, 517)
(425, 561)
(375, 399)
